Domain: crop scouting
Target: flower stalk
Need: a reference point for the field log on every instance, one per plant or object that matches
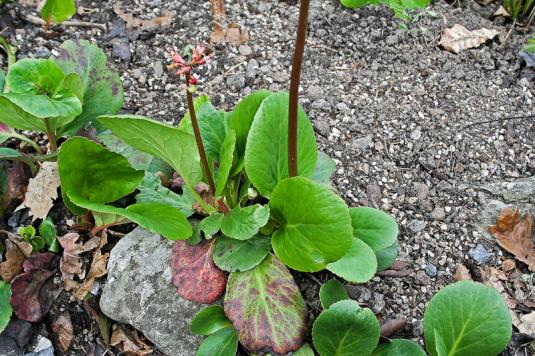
(295, 79)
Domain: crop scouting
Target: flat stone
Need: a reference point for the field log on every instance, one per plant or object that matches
(519, 190)
(416, 225)
(431, 270)
(139, 292)
(479, 254)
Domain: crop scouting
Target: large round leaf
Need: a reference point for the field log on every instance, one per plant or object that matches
(35, 76)
(266, 307)
(266, 151)
(102, 87)
(331, 292)
(222, 343)
(467, 318)
(346, 329)
(240, 255)
(242, 117)
(94, 173)
(209, 320)
(375, 227)
(315, 227)
(387, 256)
(358, 265)
(244, 223)
(399, 347)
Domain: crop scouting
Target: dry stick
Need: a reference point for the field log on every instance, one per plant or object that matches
(300, 42)
(41, 22)
(524, 117)
(508, 34)
(198, 138)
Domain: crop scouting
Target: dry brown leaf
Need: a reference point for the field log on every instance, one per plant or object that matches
(135, 24)
(98, 269)
(129, 342)
(508, 265)
(42, 191)
(218, 10)
(458, 38)
(230, 34)
(62, 327)
(71, 264)
(515, 235)
(462, 273)
(527, 323)
(494, 277)
(18, 251)
(501, 12)
(392, 326)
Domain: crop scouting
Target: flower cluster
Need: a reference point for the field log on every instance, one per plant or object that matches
(196, 58)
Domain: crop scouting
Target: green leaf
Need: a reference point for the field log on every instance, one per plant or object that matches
(315, 226)
(345, 329)
(222, 343)
(353, 4)
(304, 350)
(152, 191)
(266, 151)
(26, 232)
(242, 117)
(172, 145)
(48, 232)
(209, 320)
(102, 87)
(399, 347)
(325, 167)
(375, 227)
(226, 157)
(185, 123)
(470, 318)
(244, 223)
(210, 225)
(91, 176)
(386, 257)
(331, 292)
(358, 265)
(35, 76)
(2, 80)
(57, 11)
(240, 255)
(5, 307)
(213, 127)
(267, 309)
(94, 173)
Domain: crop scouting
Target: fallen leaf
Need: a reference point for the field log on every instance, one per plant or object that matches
(31, 295)
(218, 10)
(458, 38)
(17, 252)
(392, 326)
(42, 191)
(493, 277)
(462, 273)
(231, 34)
(195, 275)
(93, 308)
(501, 12)
(71, 264)
(508, 265)
(129, 342)
(527, 323)
(14, 178)
(515, 235)
(136, 24)
(97, 270)
(62, 328)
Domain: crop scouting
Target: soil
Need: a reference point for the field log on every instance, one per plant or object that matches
(414, 129)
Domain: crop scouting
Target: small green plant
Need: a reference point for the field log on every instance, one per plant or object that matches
(520, 10)
(529, 47)
(401, 8)
(453, 324)
(57, 11)
(47, 236)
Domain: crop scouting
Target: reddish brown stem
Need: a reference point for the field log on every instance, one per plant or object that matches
(200, 146)
(300, 42)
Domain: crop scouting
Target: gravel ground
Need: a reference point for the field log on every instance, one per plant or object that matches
(388, 104)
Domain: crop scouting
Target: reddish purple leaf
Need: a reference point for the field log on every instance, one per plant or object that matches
(31, 295)
(266, 308)
(195, 275)
(5, 128)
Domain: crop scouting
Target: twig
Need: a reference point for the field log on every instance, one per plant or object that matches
(394, 273)
(313, 278)
(508, 34)
(37, 21)
(524, 117)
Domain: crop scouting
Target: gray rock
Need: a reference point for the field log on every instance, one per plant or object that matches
(321, 104)
(158, 70)
(315, 92)
(43, 347)
(15, 337)
(245, 50)
(431, 270)
(322, 127)
(362, 143)
(479, 254)
(416, 134)
(416, 225)
(252, 66)
(359, 293)
(342, 107)
(516, 191)
(42, 52)
(438, 213)
(236, 81)
(139, 292)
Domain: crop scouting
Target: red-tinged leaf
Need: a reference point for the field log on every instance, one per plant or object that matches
(195, 275)
(266, 307)
(25, 290)
(31, 295)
